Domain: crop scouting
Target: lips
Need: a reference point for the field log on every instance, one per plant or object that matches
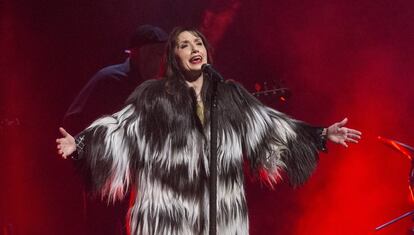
(196, 59)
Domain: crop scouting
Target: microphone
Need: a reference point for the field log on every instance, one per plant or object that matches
(208, 68)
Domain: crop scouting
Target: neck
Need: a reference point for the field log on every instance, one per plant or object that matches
(196, 84)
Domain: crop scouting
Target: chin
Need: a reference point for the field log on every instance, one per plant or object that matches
(193, 75)
(197, 67)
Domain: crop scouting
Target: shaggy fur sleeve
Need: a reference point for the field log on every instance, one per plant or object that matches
(110, 146)
(107, 147)
(274, 142)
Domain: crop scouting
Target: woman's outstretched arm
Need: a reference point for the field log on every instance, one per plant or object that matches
(105, 150)
(275, 142)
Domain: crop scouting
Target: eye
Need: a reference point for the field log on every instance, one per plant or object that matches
(199, 43)
(182, 46)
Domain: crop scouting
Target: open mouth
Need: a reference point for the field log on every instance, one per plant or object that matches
(196, 59)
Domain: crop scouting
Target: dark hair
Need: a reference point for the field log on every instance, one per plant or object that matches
(172, 69)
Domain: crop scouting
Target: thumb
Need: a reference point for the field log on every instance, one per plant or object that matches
(343, 122)
(63, 132)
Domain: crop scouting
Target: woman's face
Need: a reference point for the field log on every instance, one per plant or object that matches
(191, 53)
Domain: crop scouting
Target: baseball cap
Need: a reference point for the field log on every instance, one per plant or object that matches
(147, 34)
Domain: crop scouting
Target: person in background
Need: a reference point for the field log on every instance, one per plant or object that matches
(108, 89)
(106, 93)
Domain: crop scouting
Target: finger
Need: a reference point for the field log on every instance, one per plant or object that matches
(343, 122)
(354, 136)
(63, 132)
(355, 131)
(352, 141)
(344, 144)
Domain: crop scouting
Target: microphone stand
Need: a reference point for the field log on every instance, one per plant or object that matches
(395, 220)
(402, 148)
(215, 78)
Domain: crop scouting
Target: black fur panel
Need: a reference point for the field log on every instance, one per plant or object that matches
(303, 153)
(177, 179)
(98, 168)
(163, 114)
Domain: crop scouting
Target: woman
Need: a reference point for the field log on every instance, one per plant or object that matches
(159, 143)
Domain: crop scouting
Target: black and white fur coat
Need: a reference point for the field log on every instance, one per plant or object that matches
(157, 145)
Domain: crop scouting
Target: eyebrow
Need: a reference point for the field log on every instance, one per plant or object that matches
(187, 41)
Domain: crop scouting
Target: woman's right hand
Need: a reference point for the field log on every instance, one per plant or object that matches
(66, 145)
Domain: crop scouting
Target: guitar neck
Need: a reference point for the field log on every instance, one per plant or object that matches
(276, 92)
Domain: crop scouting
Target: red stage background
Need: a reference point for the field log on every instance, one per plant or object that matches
(339, 58)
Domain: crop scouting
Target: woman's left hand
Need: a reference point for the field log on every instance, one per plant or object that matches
(340, 134)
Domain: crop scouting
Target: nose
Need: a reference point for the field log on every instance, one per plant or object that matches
(194, 50)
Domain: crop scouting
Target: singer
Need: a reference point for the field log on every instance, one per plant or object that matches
(159, 144)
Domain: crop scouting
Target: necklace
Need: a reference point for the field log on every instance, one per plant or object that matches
(198, 97)
(200, 111)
